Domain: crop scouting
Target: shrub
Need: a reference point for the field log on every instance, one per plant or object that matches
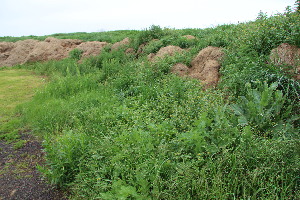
(64, 154)
(263, 108)
(76, 54)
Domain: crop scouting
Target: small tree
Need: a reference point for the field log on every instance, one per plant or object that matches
(297, 3)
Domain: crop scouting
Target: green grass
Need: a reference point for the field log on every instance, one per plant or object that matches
(119, 127)
(16, 87)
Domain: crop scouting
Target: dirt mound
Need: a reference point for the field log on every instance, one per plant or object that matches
(205, 66)
(6, 46)
(33, 50)
(66, 43)
(130, 51)
(120, 44)
(52, 49)
(180, 69)
(5, 49)
(164, 51)
(189, 37)
(289, 55)
(91, 48)
(19, 53)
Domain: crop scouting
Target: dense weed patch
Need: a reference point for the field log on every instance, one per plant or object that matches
(120, 127)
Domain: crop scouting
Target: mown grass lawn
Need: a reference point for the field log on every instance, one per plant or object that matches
(16, 86)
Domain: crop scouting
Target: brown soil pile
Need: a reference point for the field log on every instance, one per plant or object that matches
(289, 55)
(130, 51)
(205, 66)
(19, 53)
(164, 51)
(50, 49)
(91, 48)
(120, 44)
(180, 70)
(5, 49)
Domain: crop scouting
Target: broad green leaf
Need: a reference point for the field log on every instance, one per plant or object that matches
(237, 110)
(243, 120)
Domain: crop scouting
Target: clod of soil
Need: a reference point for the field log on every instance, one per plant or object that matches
(120, 44)
(206, 65)
(289, 55)
(164, 51)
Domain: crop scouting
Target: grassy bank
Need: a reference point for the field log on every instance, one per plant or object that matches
(117, 126)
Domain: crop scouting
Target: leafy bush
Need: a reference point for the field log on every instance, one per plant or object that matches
(76, 54)
(263, 109)
(154, 32)
(153, 46)
(64, 154)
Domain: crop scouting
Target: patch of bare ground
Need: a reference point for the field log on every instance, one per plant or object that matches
(19, 177)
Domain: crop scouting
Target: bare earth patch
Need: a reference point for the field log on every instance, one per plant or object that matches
(19, 178)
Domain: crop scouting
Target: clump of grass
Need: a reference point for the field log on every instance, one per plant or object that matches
(19, 144)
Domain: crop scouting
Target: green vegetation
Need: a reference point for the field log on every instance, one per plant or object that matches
(119, 127)
(16, 87)
(111, 37)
